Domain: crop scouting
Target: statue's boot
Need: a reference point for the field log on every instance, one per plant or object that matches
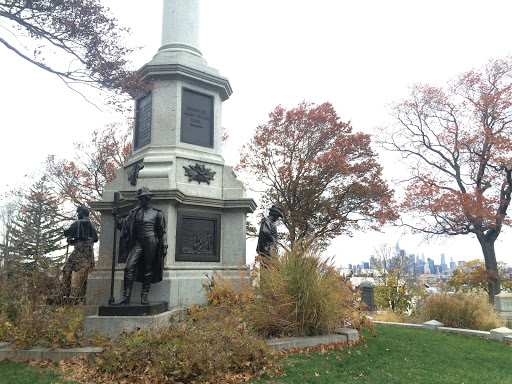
(128, 283)
(145, 288)
(126, 298)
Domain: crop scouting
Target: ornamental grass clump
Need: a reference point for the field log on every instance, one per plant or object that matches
(301, 294)
(468, 310)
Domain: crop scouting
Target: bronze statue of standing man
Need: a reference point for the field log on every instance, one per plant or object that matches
(144, 241)
(267, 239)
(82, 234)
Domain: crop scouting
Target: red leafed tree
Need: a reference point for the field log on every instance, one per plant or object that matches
(325, 177)
(82, 178)
(86, 37)
(457, 143)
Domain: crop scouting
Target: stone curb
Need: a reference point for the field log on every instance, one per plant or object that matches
(39, 353)
(467, 332)
(499, 334)
(432, 325)
(405, 325)
(303, 342)
(341, 335)
(351, 334)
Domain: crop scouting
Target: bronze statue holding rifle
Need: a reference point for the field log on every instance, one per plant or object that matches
(144, 244)
(82, 234)
(267, 238)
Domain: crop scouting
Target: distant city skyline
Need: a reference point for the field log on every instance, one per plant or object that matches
(438, 266)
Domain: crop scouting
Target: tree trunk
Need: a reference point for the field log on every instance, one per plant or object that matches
(487, 244)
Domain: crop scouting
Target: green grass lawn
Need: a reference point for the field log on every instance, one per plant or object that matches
(23, 373)
(402, 355)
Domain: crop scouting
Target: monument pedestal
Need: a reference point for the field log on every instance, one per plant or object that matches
(177, 154)
(185, 270)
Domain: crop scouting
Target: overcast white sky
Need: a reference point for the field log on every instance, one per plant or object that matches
(358, 55)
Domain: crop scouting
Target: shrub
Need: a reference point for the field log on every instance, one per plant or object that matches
(229, 293)
(210, 344)
(44, 326)
(301, 294)
(26, 320)
(469, 310)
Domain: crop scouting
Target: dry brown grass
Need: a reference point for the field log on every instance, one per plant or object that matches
(393, 317)
(461, 310)
(301, 294)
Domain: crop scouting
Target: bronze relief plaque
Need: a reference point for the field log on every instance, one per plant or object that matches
(198, 236)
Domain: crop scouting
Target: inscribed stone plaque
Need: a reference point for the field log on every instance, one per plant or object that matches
(142, 132)
(196, 118)
(198, 236)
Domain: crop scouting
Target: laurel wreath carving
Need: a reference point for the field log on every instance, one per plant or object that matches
(199, 173)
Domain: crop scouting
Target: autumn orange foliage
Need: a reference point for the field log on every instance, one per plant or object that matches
(325, 176)
(457, 143)
(82, 179)
(472, 275)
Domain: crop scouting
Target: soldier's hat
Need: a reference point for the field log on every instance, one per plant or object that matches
(276, 210)
(144, 191)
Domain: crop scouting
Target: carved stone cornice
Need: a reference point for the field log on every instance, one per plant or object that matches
(129, 198)
(191, 75)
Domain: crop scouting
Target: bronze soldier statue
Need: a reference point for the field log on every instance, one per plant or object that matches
(144, 244)
(267, 239)
(82, 234)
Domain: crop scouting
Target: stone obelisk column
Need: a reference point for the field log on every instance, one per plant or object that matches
(180, 27)
(177, 155)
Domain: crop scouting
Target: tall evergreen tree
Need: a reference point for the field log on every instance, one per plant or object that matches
(36, 233)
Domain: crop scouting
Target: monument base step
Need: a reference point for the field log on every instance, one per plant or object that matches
(115, 325)
(134, 309)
